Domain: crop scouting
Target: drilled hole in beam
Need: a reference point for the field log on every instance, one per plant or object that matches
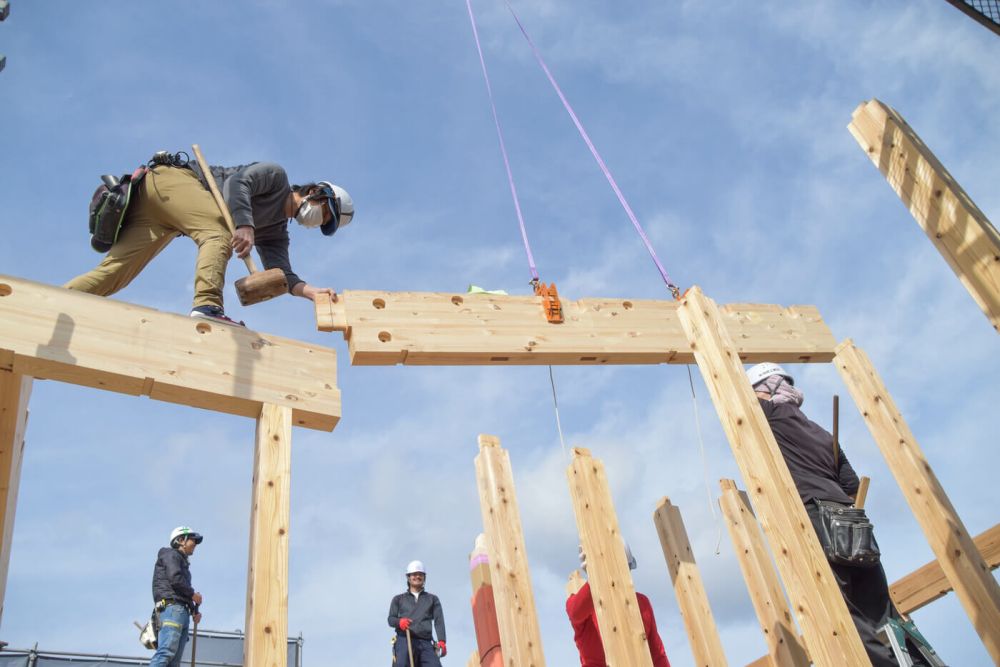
(384, 336)
(499, 358)
(203, 328)
(627, 305)
(585, 359)
(378, 303)
(457, 300)
(5, 289)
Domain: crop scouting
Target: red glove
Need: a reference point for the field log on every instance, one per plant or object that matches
(442, 649)
(404, 624)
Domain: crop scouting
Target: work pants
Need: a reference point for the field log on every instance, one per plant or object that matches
(172, 637)
(866, 593)
(423, 652)
(169, 201)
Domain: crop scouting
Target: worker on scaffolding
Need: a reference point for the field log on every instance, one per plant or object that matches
(823, 475)
(176, 602)
(411, 614)
(587, 635)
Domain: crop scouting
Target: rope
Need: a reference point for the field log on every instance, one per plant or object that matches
(597, 156)
(503, 148)
(555, 403)
(704, 462)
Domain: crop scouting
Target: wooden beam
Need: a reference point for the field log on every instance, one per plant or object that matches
(515, 603)
(959, 230)
(267, 572)
(615, 603)
(815, 598)
(421, 328)
(961, 563)
(484, 608)
(928, 583)
(58, 334)
(784, 648)
(15, 390)
(703, 635)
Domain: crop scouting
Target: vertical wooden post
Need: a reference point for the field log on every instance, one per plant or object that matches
(829, 631)
(703, 636)
(615, 603)
(484, 608)
(15, 390)
(958, 557)
(267, 574)
(519, 632)
(768, 599)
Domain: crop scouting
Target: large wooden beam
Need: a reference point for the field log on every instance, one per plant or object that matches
(959, 230)
(423, 328)
(928, 583)
(15, 390)
(615, 603)
(267, 572)
(520, 635)
(783, 646)
(961, 563)
(830, 634)
(54, 333)
(703, 635)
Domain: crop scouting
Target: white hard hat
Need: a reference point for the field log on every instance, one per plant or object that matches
(182, 531)
(415, 566)
(761, 372)
(341, 205)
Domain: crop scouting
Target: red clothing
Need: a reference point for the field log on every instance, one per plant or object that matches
(580, 608)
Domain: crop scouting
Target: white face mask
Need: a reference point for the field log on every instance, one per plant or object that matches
(309, 215)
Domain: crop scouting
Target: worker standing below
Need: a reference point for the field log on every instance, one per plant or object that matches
(823, 475)
(175, 599)
(172, 200)
(411, 614)
(587, 635)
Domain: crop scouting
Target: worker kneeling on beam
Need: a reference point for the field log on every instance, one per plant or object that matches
(176, 602)
(411, 614)
(827, 485)
(587, 635)
(169, 198)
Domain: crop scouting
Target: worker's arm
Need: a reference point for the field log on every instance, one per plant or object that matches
(580, 605)
(253, 179)
(394, 613)
(307, 291)
(438, 613)
(846, 476)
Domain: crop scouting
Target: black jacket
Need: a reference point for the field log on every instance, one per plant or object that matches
(172, 577)
(808, 451)
(421, 610)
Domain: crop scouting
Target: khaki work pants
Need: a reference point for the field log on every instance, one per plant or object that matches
(169, 202)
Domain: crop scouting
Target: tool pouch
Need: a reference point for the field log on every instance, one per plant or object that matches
(108, 207)
(150, 631)
(846, 534)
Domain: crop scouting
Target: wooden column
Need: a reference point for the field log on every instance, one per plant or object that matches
(783, 647)
(822, 614)
(958, 229)
(484, 608)
(515, 603)
(615, 604)
(15, 390)
(961, 563)
(267, 573)
(703, 636)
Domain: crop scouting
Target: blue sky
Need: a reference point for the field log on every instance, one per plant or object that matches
(725, 125)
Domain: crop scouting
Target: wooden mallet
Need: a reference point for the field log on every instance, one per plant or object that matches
(259, 285)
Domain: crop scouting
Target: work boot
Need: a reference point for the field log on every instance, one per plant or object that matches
(214, 313)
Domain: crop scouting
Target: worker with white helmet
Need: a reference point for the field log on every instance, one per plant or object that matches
(411, 614)
(823, 476)
(176, 602)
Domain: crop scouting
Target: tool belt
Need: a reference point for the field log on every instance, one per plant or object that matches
(108, 207)
(846, 534)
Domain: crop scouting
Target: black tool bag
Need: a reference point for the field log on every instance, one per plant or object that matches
(108, 207)
(846, 535)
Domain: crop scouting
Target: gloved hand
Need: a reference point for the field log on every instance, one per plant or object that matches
(583, 558)
(404, 624)
(442, 650)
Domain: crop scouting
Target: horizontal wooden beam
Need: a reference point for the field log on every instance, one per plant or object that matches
(440, 328)
(57, 334)
(928, 583)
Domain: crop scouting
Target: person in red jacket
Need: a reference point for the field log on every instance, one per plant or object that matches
(586, 634)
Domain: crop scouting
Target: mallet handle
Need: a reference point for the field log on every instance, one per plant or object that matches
(219, 200)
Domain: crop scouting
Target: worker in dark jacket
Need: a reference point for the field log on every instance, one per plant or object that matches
(809, 453)
(173, 200)
(586, 634)
(411, 614)
(175, 599)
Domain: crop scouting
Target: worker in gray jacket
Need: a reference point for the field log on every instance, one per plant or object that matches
(411, 614)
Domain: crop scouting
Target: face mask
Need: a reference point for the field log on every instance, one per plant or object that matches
(309, 215)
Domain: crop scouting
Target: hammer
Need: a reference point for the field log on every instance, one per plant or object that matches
(259, 285)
